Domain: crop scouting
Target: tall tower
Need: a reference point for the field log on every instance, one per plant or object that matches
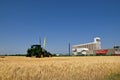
(97, 42)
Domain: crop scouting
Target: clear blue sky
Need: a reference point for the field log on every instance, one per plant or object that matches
(22, 22)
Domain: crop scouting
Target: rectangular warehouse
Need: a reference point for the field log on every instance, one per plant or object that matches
(87, 48)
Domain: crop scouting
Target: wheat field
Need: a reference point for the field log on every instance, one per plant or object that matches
(59, 68)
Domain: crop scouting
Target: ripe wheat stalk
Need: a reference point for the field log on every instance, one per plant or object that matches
(58, 68)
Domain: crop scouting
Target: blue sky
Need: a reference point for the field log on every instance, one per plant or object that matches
(22, 22)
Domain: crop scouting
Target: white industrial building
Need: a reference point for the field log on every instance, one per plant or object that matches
(87, 48)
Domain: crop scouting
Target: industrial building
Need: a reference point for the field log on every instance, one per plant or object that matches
(87, 48)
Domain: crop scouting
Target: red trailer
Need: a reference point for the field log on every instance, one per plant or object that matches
(101, 52)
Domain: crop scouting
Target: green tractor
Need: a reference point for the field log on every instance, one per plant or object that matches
(38, 51)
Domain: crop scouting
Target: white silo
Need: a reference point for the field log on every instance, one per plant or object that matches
(97, 42)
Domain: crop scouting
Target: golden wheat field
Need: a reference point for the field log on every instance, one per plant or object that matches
(59, 68)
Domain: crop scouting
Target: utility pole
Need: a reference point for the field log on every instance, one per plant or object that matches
(44, 44)
(69, 48)
(40, 40)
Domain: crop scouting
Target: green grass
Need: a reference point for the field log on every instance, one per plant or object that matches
(115, 76)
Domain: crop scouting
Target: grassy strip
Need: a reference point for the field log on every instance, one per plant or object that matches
(115, 76)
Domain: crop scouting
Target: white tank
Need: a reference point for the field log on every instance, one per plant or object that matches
(98, 42)
(81, 50)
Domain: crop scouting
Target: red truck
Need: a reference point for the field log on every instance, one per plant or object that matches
(101, 52)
